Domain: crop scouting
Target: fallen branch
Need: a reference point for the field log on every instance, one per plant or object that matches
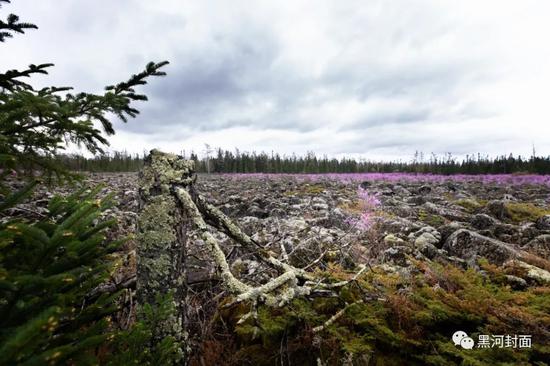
(224, 223)
(334, 318)
(112, 287)
(243, 291)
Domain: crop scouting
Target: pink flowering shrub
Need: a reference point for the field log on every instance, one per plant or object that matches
(368, 202)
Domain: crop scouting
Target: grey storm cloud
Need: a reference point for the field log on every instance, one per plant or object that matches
(376, 78)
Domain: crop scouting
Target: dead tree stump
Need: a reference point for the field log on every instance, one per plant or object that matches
(162, 239)
(171, 212)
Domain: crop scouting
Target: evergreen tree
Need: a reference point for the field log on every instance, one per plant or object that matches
(35, 124)
(51, 308)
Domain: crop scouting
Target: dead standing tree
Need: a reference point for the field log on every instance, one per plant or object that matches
(162, 238)
(170, 210)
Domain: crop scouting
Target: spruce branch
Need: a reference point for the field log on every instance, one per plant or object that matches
(12, 25)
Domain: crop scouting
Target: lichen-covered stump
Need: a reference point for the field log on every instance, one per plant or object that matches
(170, 209)
(162, 239)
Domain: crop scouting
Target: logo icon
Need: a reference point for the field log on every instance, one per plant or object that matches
(467, 343)
(462, 339)
(457, 337)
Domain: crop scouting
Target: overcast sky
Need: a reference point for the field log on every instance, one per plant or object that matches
(374, 79)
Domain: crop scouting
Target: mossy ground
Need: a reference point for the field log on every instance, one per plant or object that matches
(431, 219)
(307, 190)
(403, 320)
(518, 211)
(471, 205)
(523, 211)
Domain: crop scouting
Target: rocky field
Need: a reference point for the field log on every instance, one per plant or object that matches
(445, 254)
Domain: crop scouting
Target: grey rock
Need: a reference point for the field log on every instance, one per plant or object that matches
(448, 213)
(539, 246)
(397, 255)
(295, 225)
(528, 232)
(427, 238)
(402, 191)
(543, 222)
(509, 198)
(483, 221)
(429, 250)
(533, 273)
(392, 240)
(517, 283)
(320, 207)
(424, 190)
(468, 244)
(416, 200)
(277, 212)
(447, 229)
(256, 211)
(365, 184)
(398, 225)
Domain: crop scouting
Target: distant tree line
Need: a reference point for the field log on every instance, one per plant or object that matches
(224, 161)
(107, 162)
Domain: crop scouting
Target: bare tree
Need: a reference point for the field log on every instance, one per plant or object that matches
(208, 151)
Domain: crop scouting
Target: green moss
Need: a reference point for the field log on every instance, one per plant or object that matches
(307, 189)
(314, 189)
(397, 327)
(469, 204)
(523, 211)
(430, 219)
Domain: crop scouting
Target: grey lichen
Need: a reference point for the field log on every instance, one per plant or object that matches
(160, 242)
(162, 170)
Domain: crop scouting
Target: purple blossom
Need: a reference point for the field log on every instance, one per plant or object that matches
(368, 200)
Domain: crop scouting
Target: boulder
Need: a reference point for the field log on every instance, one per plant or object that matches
(429, 250)
(528, 232)
(416, 200)
(532, 273)
(256, 211)
(447, 229)
(424, 190)
(294, 225)
(515, 282)
(543, 222)
(483, 221)
(392, 240)
(427, 238)
(427, 241)
(397, 255)
(539, 246)
(398, 225)
(468, 244)
(448, 213)
(365, 184)
(507, 232)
